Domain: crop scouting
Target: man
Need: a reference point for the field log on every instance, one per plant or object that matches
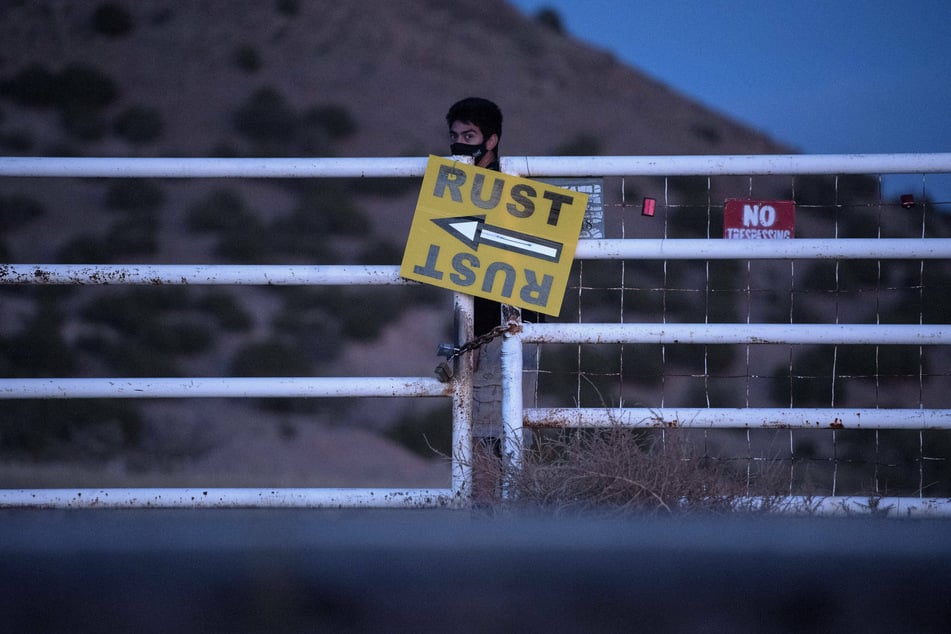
(475, 127)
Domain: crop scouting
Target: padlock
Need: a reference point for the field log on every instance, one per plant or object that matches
(446, 350)
(444, 372)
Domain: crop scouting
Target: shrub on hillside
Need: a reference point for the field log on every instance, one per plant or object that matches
(137, 235)
(324, 209)
(112, 19)
(39, 348)
(83, 123)
(427, 434)
(550, 19)
(133, 236)
(78, 85)
(227, 311)
(333, 119)
(17, 210)
(221, 210)
(269, 358)
(35, 86)
(266, 118)
(17, 142)
(79, 92)
(139, 124)
(146, 331)
(289, 8)
(579, 145)
(308, 320)
(247, 59)
(135, 195)
(275, 128)
(71, 429)
(707, 132)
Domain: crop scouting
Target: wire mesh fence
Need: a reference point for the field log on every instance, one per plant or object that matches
(831, 460)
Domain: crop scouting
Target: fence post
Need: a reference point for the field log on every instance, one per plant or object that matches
(512, 405)
(462, 402)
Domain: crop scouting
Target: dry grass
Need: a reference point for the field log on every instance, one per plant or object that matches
(619, 471)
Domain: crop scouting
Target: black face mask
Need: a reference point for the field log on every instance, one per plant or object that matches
(464, 149)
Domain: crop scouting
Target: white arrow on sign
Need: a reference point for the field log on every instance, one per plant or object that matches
(473, 231)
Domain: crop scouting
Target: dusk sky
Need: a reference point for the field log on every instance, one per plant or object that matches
(850, 76)
(842, 77)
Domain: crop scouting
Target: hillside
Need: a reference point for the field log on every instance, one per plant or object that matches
(395, 67)
(273, 78)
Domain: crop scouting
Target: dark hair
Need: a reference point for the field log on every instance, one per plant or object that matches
(478, 111)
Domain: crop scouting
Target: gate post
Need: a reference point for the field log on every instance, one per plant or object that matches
(512, 400)
(462, 403)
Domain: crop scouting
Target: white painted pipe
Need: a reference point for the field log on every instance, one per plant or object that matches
(463, 309)
(157, 274)
(900, 334)
(512, 434)
(111, 498)
(738, 418)
(529, 166)
(534, 166)
(853, 506)
(223, 387)
(719, 249)
(119, 167)
(229, 498)
(641, 249)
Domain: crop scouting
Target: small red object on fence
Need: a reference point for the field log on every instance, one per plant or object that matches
(647, 209)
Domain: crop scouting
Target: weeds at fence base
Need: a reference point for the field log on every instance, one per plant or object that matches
(619, 471)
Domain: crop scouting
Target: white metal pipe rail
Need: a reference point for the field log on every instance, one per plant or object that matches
(738, 418)
(901, 334)
(800, 248)
(853, 506)
(224, 387)
(207, 274)
(108, 167)
(642, 249)
(118, 498)
(728, 165)
(529, 166)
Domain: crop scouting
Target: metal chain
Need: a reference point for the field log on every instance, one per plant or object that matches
(444, 369)
(479, 341)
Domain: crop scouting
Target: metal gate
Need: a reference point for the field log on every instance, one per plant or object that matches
(516, 416)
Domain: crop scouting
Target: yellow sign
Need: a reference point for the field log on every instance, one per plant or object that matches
(496, 236)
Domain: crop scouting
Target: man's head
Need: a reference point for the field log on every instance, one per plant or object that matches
(475, 127)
